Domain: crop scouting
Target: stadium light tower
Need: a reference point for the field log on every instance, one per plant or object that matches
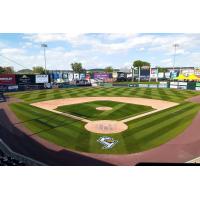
(175, 47)
(45, 62)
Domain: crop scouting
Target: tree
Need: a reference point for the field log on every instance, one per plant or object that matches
(38, 70)
(138, 64)
(2, 70)
(108, 69)
(6, 70)
(77, 68)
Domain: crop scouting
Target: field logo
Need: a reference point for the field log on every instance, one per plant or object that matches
(108, 142)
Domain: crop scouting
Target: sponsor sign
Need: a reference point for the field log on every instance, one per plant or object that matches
(197, 71)
(41, 78)
(133, 85)
(144, 85)
(7, 79)
(160, 75)
(114, 74)
(182, 83)
(70, 76)
(145, 71)
(107, 142)
(154, 73)
(183, 87)
(167, 74)
(153, 85)
(174, 86)
(174, 74)
(101, 75)
(25, 79)
(198, 84)
(173, 83)
(87, 77)
(162, 85)
(76, 76)
(82, 76)
(12, 87)
(197, 88)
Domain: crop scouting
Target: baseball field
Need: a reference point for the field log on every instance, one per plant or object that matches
(152, 116)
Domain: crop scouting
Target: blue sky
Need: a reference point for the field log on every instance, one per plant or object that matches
(98, 50)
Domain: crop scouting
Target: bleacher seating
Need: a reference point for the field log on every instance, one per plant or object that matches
(6, 160)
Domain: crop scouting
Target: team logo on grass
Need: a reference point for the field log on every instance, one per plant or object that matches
(108, 142)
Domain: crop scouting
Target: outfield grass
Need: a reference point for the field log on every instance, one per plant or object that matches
(157, 93)
(142, 134)
(119, 110)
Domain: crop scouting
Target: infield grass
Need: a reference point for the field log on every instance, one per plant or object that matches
(119, 110)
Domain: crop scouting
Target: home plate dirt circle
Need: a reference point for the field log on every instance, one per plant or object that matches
(103, 108)
(106, 126)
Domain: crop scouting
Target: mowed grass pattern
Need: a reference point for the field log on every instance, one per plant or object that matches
(159, 93)
(144, 133)
(118, 110)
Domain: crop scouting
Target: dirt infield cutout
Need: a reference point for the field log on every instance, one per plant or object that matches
(105, 126)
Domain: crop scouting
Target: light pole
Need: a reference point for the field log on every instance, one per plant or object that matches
(175, 46)
(44, 46)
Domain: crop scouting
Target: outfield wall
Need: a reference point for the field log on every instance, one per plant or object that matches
(173, 85)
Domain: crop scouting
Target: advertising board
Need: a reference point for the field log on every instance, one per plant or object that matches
(183, 87)
(13, 87)
(23, 79)
(174, 86)
(82, 76)
(154, 73)
(7, 79)
(153, 85)
(182, 83)
(144, 85)
(167, 74)
(161, 75)
(101, 75)
(197, 88)
(197, 84)
(173, 83)
(41, 78)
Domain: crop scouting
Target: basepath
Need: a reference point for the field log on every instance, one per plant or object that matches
(183, 148)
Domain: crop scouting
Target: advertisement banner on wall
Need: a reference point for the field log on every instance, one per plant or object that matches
(87, 77)
(145, 71)
(7, 79)
(197, 71)
(82, 76)
(13, 87)
(160, 75)
(167, 74)
(76, 76)
(101, 75)
(162, 84)
(154, 73)
(41, 78)
(174, 74)
(197, 88)
(143, 85)
(23, 79)
(70, 76)
(182, 83)
(153, 85)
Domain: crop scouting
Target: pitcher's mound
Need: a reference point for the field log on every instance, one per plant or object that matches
(103, 108)
(106, 126)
